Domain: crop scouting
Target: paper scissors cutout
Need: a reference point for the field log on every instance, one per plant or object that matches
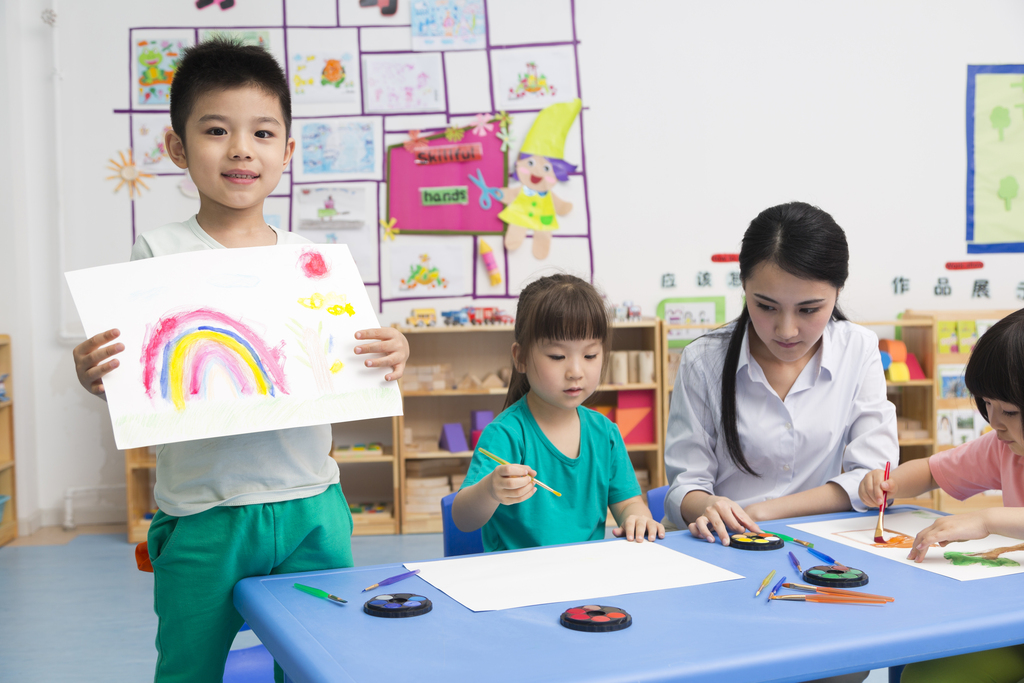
(485, 192)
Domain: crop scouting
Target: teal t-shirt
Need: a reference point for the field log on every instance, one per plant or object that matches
(601, 476)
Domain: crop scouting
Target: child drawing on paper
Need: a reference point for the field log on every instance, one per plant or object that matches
(561, 344)
(532, 83)
(533, 205)
(995, 378)
(278, 489)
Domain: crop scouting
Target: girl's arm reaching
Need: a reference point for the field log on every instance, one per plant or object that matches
(505, 485)
(634, 519)
(829, 497)
(910, 480)
(969, 526)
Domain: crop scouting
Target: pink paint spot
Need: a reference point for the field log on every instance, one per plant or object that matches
(313, 265)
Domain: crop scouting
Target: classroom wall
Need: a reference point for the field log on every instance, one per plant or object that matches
(698, 116)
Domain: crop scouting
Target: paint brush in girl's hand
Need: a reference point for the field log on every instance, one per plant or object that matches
(879, 538)
(319, 593)
(392, 579)
(502, 461)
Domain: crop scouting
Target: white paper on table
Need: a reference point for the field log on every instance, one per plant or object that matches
(234, 341)
(859, 532)
(566, 573)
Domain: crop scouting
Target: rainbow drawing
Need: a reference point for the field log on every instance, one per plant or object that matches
(182, 348)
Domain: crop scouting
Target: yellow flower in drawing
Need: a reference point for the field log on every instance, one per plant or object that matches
(337, 367)
(335, 304)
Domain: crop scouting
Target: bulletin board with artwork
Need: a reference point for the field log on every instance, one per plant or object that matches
(466, 79)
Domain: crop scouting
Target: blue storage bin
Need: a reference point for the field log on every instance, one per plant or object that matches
(3, 503)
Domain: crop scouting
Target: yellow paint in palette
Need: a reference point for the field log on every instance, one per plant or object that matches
(755, 541)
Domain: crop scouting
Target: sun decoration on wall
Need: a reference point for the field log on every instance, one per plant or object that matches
(129, 174)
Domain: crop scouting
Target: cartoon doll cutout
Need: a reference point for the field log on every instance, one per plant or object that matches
(534, 205)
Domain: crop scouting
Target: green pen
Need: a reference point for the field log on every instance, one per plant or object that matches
(319, 593)
(790, 539)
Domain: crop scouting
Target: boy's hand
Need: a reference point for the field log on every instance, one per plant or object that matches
(873, 486)
(389, 341)
(88, 356)
(511, 484)
(636, 526)
(720, 515)
(965, 527)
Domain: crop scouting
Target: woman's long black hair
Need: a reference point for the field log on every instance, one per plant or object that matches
(556, 308)
(802, 240)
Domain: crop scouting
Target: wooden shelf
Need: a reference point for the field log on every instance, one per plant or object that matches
(138, 530)
(908, 322)
(8, 475)
(916, 442)
(6, 465)
(455, 328)
(627, 387)
(345, 457)
(6, 404)
(375, 523)
(636, 447)
(427, 452)
(911, 383)
(421, 523)
(9, 527)
(456, 392)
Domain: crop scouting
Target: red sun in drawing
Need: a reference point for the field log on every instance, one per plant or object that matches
(313, 265)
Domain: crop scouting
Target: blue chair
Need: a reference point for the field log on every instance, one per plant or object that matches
(249, 665)
(656, 502)
(457, 542)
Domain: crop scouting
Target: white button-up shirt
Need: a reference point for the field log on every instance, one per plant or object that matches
(836, 423)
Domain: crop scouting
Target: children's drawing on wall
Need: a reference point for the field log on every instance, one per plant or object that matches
(337, 206)
(995, 219)
(409, 82)
(690, 311)
(447, 24)
(155, 58)
(148, 139)
(533, 204)
(127, 174)
(324, 68)
(965, 560)
(528, 78)
(427, 267)
(243, 36)
(234, 341)
(339, 149)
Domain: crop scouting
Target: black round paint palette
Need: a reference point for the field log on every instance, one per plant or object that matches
(397, 605)
(596, 618)
(755, 541)
(835, 576)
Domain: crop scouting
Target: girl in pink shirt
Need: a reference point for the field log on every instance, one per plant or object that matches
(995, 378)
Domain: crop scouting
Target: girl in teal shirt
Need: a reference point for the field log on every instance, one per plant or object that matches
(561, 341)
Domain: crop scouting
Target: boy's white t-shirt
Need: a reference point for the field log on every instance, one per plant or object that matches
(246, 469)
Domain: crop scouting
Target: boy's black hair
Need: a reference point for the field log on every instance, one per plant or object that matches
(222, 63)
(995, 369)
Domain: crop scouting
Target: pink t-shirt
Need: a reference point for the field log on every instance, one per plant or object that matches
(984, 464)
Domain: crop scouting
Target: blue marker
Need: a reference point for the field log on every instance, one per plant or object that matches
(796, 563)
(776, 588)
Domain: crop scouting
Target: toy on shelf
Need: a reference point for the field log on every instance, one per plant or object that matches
(428, 377)
(459, 317)
(897, 370)
(627, 311)
(422, 317)
(469, 383)
(368, 508)
(492, 381)
(3, 389)
(478, 419)
(907, 429)
(375, 448)
(453, 438)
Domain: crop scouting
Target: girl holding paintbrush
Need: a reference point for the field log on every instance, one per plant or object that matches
(562, 338)
(995, 461)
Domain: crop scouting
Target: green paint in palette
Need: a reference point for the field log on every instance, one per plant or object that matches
(835, 576)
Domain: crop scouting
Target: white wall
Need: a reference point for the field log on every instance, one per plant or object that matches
(700, 115)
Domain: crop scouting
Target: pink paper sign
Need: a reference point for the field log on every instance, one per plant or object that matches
(479, 216)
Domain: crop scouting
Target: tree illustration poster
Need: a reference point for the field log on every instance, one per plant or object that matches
(995, 146)
(234, 341)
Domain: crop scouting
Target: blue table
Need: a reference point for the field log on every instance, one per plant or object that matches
(715, 632)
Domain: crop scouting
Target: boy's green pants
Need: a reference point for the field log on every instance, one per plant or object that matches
(197, 560)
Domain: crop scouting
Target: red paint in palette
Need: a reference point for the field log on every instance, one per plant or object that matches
(596, 618)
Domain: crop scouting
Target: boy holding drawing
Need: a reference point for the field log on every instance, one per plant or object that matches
(251, 504)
